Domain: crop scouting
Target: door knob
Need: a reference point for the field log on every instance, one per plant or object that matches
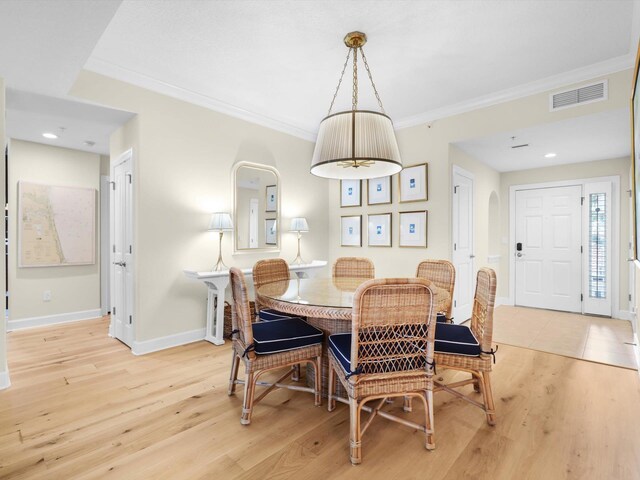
(519, 254)
(472, 256)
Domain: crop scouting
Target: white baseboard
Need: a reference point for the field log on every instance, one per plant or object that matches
(5, 382)
(155, 344)
(503, 301)
(637, 351)
(52, 319)
(623, 315)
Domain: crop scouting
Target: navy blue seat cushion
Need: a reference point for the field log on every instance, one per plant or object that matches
(340, 345)
(441, 318)
(458, 339)
(284, 335)
(269, 314)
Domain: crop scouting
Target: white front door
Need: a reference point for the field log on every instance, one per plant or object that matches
(122, 250)
(462, 233)
(548, 248)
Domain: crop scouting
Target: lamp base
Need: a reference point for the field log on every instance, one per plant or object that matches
(298, 261)
(218, 267)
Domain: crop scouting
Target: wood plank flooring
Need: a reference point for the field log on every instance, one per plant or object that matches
(81, 406)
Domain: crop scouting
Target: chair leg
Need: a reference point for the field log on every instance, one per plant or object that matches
(235, 363)
(431, 440)
(488, 398)
(331, 385)
(247, 405)
(318, 382)
(355, 437)
(407, 404)
(295, 375)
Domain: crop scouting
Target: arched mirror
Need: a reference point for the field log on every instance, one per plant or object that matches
(256, 217)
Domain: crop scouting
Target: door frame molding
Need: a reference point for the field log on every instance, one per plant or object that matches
(615, 233)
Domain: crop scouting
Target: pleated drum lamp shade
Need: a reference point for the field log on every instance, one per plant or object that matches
(356, 144)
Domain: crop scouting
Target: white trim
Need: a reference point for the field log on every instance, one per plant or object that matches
(115, 71)
(625, 315)
(5, 381)
(105, 244)
(578, 75)
(53, 319)
(503, 301)
(170, 341)
(494, 258)
(637, 351)
(615, 230)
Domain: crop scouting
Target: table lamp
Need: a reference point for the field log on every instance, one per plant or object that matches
(220, 222)
(299, 225)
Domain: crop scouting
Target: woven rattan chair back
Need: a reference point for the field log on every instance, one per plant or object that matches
(443, 274)
(393, 324)
(269, 271)
(241, 312)
(356, 267)
(483, 303)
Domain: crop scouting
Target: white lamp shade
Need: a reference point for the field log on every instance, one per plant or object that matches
(220, 222)
(299, 224)
(356, 135)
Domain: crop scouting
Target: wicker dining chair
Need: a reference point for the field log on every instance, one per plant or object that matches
(266, 346)
(268, 271)
(388, 354)
(469, 349)
(356, 267)
(443, 274)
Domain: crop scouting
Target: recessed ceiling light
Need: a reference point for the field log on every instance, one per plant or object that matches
(49, 135)
(550, 155)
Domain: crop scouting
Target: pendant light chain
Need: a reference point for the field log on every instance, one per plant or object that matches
(354, 98)
(375, 90)
(344, 68)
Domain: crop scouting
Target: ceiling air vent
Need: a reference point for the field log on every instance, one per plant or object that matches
(594, 92)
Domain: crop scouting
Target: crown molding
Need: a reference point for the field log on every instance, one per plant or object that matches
(589, 72)
(109, 69)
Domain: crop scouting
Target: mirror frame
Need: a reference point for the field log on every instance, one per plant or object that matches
(234, 174)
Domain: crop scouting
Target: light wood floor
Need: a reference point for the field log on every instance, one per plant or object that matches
(81, 406)
(597, 339)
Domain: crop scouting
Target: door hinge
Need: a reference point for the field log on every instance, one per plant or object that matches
(581, 298)
(630, 192)
(455, 188)
(581, 249)
(455, 247)
(113, 185)
(129, 175)
(130, 319)
(629, 297)
(114, 249)
(581, 200)
(455, 303)
(130, 249)
(114, 310)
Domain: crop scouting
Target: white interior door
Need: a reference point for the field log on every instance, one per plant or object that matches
(105, 245)
(548, 268)
(462, 258)
(122, 250)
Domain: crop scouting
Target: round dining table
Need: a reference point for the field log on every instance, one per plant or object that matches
(326, 304)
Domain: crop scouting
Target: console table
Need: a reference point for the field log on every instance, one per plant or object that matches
(217, 283)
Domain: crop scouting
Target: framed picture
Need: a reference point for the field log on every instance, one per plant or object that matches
(272, 198)
(413, 229)
(380, 230)
(378, 190)
(351, 231)
(271, 233)
(350, 194)
(413, 184)
(635, 151)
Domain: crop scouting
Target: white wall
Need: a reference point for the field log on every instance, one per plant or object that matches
(183, 157)
(73, 288)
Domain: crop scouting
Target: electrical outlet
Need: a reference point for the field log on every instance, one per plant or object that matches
(46, 296)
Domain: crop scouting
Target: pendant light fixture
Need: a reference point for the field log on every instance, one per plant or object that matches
(356, 143)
